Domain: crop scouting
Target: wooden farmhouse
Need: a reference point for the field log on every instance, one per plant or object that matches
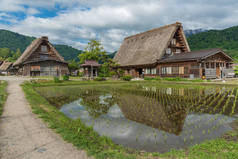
(165, 52)
(41, 59)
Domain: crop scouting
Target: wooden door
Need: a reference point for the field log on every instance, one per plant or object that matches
(218, 72)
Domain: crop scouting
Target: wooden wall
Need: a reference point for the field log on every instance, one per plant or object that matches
(46, 68)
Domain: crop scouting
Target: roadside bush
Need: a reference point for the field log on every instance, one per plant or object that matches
(57, 80)
(65, 77)
(126, 78)
(99, 79)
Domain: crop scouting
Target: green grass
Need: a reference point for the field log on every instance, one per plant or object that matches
(3, 95)
(75, 132)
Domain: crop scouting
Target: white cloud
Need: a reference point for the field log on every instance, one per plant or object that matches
(112, 20)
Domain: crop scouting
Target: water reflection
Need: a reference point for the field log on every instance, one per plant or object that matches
(151, 118)
(147, 123)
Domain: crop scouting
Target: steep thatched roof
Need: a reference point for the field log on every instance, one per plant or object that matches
(5, 65)
(33, 46)
(146, 48)
(194, 55)
(90, 63)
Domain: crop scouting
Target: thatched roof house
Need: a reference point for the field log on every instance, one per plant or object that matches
(147, 47)
(165, 52)
(41, 58)
(5, 66)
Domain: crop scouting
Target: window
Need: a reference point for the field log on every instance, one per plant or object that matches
(207, 65)
(227, 65)
(178, 51)
(147, 71)
(175, 70)
(169, 70)
(185, 70)
(173, 42)
(212, 65)
(163, 71)
(43, 48)
(44, 56)
(153, 71)
(181, 70)
(168, 51)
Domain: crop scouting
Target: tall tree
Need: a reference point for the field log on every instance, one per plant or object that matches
(73, 65)
(93, 51)
(17, 54)
(5, 53)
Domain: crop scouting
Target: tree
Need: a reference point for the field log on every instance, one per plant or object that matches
(5, 53)
(236, 71)
(93, 51)
(16, 55)
(73, 65)
(110, 68)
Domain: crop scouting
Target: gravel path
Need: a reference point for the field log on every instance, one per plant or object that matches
(24, 136)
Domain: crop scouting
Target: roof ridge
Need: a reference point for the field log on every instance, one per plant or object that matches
(153, 30)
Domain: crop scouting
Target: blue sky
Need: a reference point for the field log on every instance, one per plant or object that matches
(74, 22)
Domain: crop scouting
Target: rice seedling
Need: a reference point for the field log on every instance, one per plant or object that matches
(234, 103)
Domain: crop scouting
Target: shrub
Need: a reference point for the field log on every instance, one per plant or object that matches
(80, 74)
(57, 80)
(197, 80)
(99, 79)
(65, 77)
(126, 78)
(157, 78)
(112, 74)
(149, 78)
(175, 79)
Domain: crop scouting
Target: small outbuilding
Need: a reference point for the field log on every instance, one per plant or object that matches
(5, 68)
(90, 68)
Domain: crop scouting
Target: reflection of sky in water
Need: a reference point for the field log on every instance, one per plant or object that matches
(197, 128)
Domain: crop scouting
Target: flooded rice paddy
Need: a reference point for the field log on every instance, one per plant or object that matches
(154, 118)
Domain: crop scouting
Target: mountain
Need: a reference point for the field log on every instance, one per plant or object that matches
(189, 33)
(111, 55)
(13, 41)
(226, 39)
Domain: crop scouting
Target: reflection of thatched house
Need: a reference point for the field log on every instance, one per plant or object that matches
(146, 111)
(5, 67)
(90, 68)
(41, 59)
(165, 52)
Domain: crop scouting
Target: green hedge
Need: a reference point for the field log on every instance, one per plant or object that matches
(126, 78)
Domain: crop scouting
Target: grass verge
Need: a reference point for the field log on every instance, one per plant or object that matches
(75, 132)
(3, 95)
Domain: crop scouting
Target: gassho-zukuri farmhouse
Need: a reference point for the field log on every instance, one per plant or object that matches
(40, 59)
(165, 52)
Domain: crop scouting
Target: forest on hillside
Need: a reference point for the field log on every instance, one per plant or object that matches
(14, 41)
(226, 39)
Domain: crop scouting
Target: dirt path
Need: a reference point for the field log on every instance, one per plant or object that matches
(24, 136)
